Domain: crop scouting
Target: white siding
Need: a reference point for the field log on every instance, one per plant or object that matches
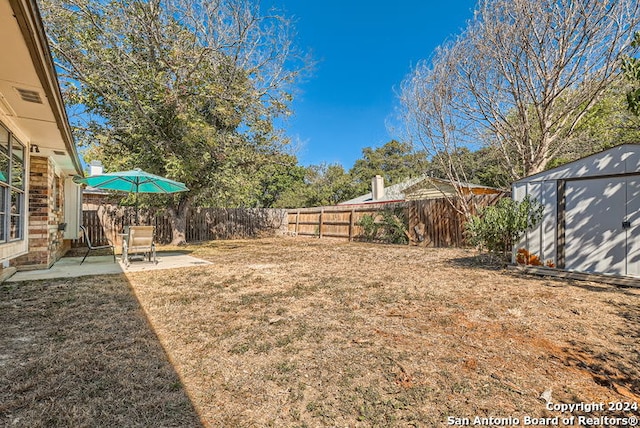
(72, 208)
(13, 250)
(540, 240)
(518, 192)
(534, 236)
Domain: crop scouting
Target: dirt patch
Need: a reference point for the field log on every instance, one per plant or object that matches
(297, 332)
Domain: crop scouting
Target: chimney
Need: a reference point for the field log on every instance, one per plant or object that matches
(95, 168)
(377, 188)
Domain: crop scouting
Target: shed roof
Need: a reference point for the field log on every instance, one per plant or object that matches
(622, 159)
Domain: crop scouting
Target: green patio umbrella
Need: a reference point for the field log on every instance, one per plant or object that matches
(134, 181)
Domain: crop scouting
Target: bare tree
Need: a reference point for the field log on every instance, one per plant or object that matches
(521, 78)
(428, 97)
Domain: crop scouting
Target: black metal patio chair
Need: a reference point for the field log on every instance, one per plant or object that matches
(90, 247)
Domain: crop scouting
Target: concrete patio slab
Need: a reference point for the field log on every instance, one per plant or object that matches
(69, 267)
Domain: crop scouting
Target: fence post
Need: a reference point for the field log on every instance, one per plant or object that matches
(297, 220)
(320, 223)
(351, 215)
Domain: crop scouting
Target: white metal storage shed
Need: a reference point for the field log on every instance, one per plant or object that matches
(591, 220)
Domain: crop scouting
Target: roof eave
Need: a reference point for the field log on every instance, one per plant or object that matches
(32, 28)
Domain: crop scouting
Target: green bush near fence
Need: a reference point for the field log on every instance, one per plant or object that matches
(498, 228)
(389, 226)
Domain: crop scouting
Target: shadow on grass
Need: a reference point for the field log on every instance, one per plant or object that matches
(613, 367)
(80, 352)
(481, 261)
(492, 264)
(609, 368)
(81, 251)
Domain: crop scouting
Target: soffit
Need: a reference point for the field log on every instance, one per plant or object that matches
(19, 86)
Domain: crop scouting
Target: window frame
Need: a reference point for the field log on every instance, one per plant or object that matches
(13, 216)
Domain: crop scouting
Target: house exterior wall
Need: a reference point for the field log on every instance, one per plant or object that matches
(46, 199)
(31, 203)
(444, 191)
(429, 192)
(431, 188)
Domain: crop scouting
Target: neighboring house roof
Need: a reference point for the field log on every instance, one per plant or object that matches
(30, 96)
(393, 193)
(421, 187)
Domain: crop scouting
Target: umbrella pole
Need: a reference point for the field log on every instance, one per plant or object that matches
(137, 220)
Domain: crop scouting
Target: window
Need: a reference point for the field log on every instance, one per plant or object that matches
(15, 216)
(12, 176)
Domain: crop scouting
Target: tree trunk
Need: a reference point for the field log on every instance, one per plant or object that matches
(178, 220)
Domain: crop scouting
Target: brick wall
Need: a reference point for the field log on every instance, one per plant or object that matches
(58, 245)
(45, 212)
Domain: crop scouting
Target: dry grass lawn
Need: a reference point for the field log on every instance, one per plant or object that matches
(300, 332)
(80, 353)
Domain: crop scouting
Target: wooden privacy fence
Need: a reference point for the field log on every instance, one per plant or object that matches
(107, 222)
(440, 222)
(334, 221)
(204, 224)
(430, 222)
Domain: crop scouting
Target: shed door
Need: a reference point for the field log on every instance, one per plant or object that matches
(595, 240)
(633, 232)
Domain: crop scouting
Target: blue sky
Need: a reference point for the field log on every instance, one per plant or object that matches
(364, 50)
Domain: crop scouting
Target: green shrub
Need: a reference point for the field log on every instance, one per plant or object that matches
(389, 226)
(394, 226)
(369, 227)
(497, 228)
